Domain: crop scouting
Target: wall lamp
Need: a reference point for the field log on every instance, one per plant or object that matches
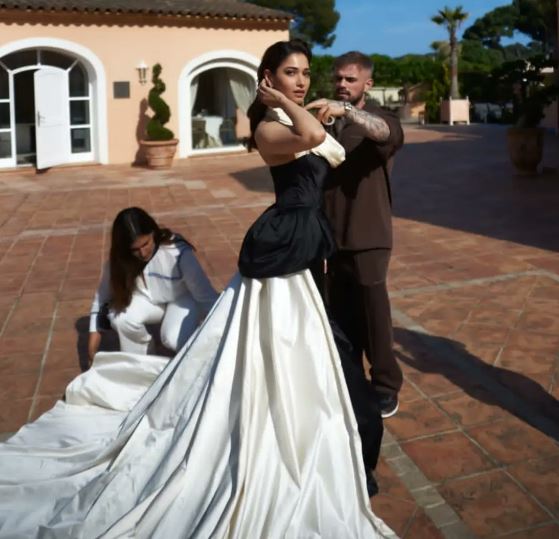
(142, 72)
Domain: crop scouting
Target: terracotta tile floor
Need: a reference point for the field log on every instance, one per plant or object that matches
(475, 285)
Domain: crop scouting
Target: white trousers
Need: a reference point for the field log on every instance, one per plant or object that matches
(178, 319)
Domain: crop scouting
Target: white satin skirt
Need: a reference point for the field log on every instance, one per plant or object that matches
(246, 433)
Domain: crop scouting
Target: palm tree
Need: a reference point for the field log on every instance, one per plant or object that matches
(452, 18)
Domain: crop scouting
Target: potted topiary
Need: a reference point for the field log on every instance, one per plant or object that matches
(525, 139)
(160, 144)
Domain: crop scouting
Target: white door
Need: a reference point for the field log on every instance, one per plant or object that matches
(52, 117)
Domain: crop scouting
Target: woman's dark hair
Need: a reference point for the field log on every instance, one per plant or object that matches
(274, 56)
(125, 267)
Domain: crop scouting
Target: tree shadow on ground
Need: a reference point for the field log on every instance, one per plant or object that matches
(467, 183)
(256, 179)
(513, 392)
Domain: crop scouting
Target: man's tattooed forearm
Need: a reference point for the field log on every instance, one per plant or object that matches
(374, 127)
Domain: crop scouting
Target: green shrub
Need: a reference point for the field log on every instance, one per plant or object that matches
(155, 127)
(440, 88)
(526, 82)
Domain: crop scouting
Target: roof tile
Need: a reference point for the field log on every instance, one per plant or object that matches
(216, 8)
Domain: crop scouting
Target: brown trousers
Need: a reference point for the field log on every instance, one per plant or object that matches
(358, 299)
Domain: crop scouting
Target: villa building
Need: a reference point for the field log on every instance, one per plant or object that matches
(75, 75)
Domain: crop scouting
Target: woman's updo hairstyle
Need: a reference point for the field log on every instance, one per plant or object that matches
(274, 56)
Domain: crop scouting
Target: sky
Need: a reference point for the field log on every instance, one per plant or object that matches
(398, 27)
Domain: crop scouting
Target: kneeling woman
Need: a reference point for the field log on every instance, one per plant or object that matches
(152, 276)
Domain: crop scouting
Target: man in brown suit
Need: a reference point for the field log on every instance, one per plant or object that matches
(358, 204)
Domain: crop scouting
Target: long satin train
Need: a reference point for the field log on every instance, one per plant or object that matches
(247, 433)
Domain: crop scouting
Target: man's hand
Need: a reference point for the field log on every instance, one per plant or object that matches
(328, 109)
(372, 126)
(93, 345)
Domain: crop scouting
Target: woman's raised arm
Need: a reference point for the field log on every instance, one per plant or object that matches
(273, 138)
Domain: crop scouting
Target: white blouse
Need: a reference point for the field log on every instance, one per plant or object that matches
(172, 272)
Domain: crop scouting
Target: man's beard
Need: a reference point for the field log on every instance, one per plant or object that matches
(353, 100)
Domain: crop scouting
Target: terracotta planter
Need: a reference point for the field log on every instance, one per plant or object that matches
(159, 153)
(525, 148)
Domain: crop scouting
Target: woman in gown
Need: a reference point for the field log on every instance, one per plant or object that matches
(248, 432)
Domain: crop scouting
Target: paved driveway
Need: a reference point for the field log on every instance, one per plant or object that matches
(474, 279)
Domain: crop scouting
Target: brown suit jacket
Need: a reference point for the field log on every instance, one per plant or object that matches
(357, 197)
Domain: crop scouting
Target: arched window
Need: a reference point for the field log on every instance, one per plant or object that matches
(215, 90)
(220, 99)
(18, 117)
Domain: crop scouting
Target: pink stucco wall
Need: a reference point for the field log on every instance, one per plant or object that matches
(120, 48)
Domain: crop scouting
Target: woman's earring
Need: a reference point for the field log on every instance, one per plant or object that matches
(329, 121)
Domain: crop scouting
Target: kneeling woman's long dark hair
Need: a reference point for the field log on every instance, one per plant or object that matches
(273, 57)
(125, 267)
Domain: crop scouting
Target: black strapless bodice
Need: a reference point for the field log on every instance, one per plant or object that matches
(293, 233)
